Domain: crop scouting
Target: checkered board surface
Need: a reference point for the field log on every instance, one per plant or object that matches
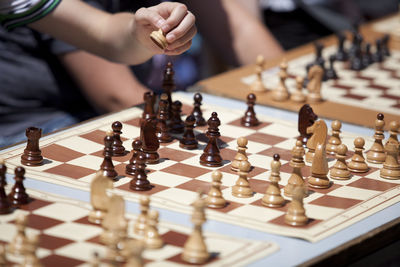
(67, 238)
(73, 156)
(390, 26)
(375, 88)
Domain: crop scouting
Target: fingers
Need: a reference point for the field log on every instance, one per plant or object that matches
(176, 16)
(183, 40)
(186, 25)
(148, 16)
(179, 50)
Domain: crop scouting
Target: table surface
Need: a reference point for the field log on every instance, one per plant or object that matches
(229, 84)
(292, 251)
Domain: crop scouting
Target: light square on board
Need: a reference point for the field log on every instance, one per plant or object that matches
(177, 195)
(281, 130)
(61, 211)
(81, 250)
(257, 213)
(228, 179)
(321, 212)
(235, 131)
(252, 147)
(80, 144)
(163, 253)
(88, 161)
(167, 179)
(74, 231)
(353, 192)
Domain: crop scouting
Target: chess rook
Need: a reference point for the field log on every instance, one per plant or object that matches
(211, 156)
(32, 154)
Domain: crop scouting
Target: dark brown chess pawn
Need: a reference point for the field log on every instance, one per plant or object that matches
(211, 156)
(107, 165)
(18, 195)
(168, 86)
(149, 101)
(161, 125)
(5, 204)
(188, 140)
(197, 113)
(176, 124)
(307, 117)
(32, 155)
(249, 119)
(150, 142)
(117, 146)
(136, 150)
(139, 181)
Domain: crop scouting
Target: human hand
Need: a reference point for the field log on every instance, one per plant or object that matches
(177, 23)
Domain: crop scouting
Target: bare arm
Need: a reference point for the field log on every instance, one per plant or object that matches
(233, 31)
(121, 37)
(108, 86)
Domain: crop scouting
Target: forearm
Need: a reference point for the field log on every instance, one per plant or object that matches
(108, 86)
(110, 37)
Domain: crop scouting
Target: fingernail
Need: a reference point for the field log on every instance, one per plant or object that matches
(164, 28)
(160, 23)
(170, 37)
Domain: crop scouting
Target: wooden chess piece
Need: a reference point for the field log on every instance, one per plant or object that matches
(296, 214)
(188, 140)
(176, 124)
(319, 169)
(197, 113)
(211, 156)
(341, 54)
(3, 257)
(107, 166)
(32, 155)
(161, 125)
(168, 85)
(136, 150)
(376, 153)
(340, 171)
(297, 95)
(357, 163)
(241, 154)
(195, 249)
(297, 163)
(307, 117)
(257, 85)
(260, 61)
(134, 250)
(215, 198)
(394, 127)
(249, 119)
(334, 140)
(30, 257)
(367, 57)
(149, 101)
(273, 197)
(18, 195)
(378, 55)
(159, 39)
(331, 72)
(319, 133)
(141, 222)
(99, 198)
(391, 167)
(5, 203)
(117, 147)
(150, 143)
(152, 238)
(115, 226)
(281, 93)
(95, 261)
(139, 181)
(20, 243)
(242, 187)
(315, 75)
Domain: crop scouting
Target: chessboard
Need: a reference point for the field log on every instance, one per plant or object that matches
(389, 25)
(374, 89)
(73, 156)
(67, 238)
